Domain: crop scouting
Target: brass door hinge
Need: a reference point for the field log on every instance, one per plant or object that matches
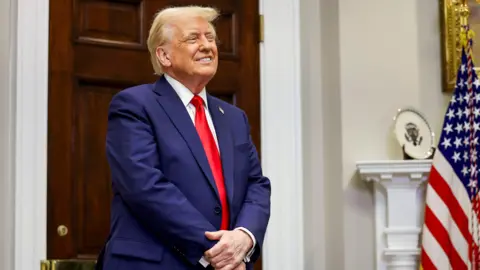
(261, 28)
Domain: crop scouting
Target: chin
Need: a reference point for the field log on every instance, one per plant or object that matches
(207, 73)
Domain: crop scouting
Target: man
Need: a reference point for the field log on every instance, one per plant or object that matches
(187, 183)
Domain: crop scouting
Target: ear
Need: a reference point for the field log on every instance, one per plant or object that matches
(163, 56)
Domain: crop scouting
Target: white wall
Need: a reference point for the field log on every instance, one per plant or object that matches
(6, 133)
(321, 126)
(362, 60)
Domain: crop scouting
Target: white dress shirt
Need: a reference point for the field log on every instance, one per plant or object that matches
(186, 96)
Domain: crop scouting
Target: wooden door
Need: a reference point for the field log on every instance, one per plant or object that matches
(97, 48)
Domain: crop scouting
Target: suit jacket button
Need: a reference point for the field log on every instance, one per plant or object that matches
(218, 210)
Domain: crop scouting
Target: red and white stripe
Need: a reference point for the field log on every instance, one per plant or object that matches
(446, 238)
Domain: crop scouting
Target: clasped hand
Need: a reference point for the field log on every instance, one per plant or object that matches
(230, 250)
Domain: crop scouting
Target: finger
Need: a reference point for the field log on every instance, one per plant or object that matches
(227, 256)
(239, 267)
(221, 260)
(227, 267)
(221, 264)
(216, 249)
(214, 235)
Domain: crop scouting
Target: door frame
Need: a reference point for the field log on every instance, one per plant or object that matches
(280, 100)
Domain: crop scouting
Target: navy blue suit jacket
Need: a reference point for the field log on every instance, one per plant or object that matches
(164, 194)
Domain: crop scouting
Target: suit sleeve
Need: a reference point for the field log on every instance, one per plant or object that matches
(157, 203)
(255, 212)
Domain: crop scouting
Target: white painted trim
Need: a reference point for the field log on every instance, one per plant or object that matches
(399, 202)
(376, 170)
(7, 119)
(280, 99)
(281, 133)
(31, 133)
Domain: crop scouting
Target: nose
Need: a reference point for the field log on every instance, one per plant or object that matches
(205, 44)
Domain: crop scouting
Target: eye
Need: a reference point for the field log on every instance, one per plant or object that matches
(210, 37)
(191, 39)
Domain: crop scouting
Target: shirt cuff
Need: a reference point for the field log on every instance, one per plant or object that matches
(204, 262)
(249, 254)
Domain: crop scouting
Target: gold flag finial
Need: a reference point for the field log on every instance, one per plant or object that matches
(464, 13)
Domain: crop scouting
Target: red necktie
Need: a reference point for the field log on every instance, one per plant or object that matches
(213, 155)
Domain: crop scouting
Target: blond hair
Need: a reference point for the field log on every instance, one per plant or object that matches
(161, 32)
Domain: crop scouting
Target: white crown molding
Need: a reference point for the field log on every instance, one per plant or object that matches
(399, 202)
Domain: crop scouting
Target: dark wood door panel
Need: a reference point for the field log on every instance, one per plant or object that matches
(97, 48)
(92, 189)
(109, 22)
(112, 64)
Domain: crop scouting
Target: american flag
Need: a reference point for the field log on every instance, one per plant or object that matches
(450, 233)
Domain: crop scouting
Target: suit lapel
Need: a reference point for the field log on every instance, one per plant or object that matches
(220, 121)
(177, 112)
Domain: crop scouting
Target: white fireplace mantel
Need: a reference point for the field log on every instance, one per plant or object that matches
(399, 203)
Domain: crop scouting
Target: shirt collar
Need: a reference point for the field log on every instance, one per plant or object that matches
(183, 92)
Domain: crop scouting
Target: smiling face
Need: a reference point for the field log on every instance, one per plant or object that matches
(191, 56)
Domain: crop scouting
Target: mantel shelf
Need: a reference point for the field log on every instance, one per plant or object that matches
(394, 166)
